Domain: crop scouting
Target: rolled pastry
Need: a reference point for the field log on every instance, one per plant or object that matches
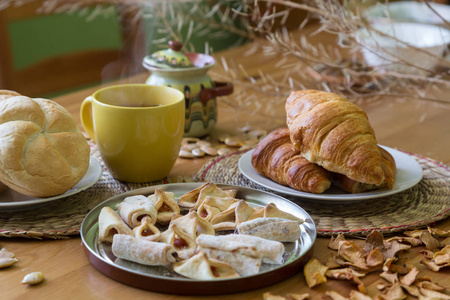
(142, 252)
(271, 251)
(243, 257)
(192, 224)
(201, 267)
(193, 199)
(234, 215)
(133, 209)
(212, 206)
(109, 224)
(147, 231)
(165, 205)
(275, 229)
(183, 242)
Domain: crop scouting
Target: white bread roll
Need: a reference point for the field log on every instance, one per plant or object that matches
(42, 151)
(5, 94)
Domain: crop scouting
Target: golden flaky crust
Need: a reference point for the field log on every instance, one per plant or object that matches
(42, 151)
(275, 158)
(332, 132)
(387, 164)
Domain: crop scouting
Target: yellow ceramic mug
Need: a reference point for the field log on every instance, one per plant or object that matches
(137, 127)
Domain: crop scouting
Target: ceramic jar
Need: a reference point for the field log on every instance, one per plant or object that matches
(187, 72)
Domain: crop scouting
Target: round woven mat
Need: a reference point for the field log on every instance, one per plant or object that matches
(423, 204)
(62, 218)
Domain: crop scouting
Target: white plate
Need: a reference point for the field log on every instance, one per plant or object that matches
(408, 174)
(11, 200)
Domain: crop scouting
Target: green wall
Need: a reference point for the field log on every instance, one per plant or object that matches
(50, 35)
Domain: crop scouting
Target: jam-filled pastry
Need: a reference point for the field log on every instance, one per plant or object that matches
(165, 205)
(147, 231)
(237, 213)
(271, 251)
(132, 209)
(194, 198)
(192, 224)
(214, 205)
(182, 242)
(243, 257)
(143, 252)
(275, 229)
(272, 211)
(109, 224)
(201, 267)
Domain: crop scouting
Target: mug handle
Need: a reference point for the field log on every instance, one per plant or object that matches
(219, 89)
(86, 117)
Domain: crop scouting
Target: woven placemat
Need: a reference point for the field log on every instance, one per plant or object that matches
(62, 218)
(421, 205)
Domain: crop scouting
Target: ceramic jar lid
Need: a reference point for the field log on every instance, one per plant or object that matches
(171, 58)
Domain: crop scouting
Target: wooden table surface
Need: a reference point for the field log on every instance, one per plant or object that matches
(410, 125)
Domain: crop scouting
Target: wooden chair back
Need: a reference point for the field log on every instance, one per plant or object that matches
(73, 69)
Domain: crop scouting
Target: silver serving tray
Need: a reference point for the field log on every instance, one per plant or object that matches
(164, 280)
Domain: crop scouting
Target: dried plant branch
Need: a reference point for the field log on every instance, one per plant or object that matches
(303, 62)
(356, 79)
(437, 13)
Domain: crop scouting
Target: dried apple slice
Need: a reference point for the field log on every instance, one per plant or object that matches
(314, 272)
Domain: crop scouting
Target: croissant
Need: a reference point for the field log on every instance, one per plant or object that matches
(261, 160)
(334, 133)
(387, 164)
(274, 157)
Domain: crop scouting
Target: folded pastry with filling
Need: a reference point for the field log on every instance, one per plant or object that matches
(201, 267)
(243, 257)
(275, 229)
(109, 224)
(183, 232)
(212, 206)
(165, 205)
(147, 231)
(182, 241)
(193, 199)
(143, 252)
(132, 209)
(192, 224)
(237, 213)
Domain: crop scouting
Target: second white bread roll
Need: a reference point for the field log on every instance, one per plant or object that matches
(42, 151)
